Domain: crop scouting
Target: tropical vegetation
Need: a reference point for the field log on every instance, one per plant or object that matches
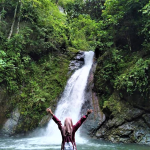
(36, 40)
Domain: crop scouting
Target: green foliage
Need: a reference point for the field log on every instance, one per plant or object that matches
(146, 25)
(73, 7)
(123, 49)
(124, 19)
(136, 78)
(83, 32)
(31, 67)
(146, 9)
(44, 83)
(94, 8)
(104, 37)
(12, 66)
(63, 3)
(42, 30)
(109, 66)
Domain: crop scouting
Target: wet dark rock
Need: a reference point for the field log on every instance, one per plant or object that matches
(127, 133)
(147, 119)
(125, 124)
(100, 133)
(91, 102)
(114, 122)
(80, 56)
(77, 62)
(137, 100)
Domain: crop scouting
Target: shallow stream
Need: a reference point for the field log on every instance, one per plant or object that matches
(45, 143)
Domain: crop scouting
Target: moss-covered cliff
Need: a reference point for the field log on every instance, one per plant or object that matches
(37, 43)
(122, 75)
(25, 110)
(123, 87)
(44, 83)
(122, 83)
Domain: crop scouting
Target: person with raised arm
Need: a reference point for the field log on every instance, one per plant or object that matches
(68, 130)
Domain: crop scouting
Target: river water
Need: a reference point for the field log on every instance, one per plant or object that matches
(42, 143)
(70, 104)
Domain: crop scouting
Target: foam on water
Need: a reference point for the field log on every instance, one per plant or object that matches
(38, 143)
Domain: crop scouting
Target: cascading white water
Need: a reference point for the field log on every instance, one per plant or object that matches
(72, 99)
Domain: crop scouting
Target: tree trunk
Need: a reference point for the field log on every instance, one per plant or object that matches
(129, 43)
(18, 25)
(1, 14)
(12, 26)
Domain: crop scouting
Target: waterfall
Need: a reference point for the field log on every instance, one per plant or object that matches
(72, 99)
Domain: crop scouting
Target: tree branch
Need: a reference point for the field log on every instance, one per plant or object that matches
(12, 26)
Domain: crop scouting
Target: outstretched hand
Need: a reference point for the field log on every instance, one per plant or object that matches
(50, 111)
(89, 111)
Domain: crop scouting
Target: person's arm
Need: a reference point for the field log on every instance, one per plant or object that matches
(56, 120)
(79, 123)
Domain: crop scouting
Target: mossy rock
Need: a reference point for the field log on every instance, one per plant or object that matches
(115, 105)
(121, 108)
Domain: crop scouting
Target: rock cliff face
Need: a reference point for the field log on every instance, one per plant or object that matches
(124, 123)
(77, 62)
(92, 102)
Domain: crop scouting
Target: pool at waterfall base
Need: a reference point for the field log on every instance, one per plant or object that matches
(47, 143)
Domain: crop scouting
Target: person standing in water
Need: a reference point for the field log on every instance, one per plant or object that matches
(68, 130)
